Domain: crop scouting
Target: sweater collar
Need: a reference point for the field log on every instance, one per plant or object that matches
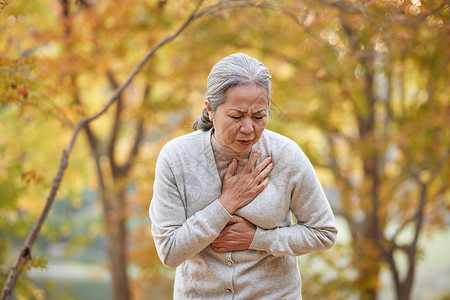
(225, 153)
(208, 151)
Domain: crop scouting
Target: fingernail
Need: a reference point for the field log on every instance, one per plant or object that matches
(268, 159)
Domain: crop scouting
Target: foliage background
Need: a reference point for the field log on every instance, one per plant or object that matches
(354, 83)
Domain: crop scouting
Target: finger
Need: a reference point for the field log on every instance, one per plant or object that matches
(244, 221)
(231, 223)
(263, 184)
(215, 248)
(231, 168)
(221, 234)
(263, 174)
(251, 162)
(261, 166)
(218, 249)
(236, 219)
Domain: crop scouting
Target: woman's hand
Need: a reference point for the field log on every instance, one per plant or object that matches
(237, 235)
(240, 189)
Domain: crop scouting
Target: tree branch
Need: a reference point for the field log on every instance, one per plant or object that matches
(222, 5)
(123, 170)
(116, 124)
(412, 249)
(3, 4)
(93, 141)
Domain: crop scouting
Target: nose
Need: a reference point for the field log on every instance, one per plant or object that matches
(246, 126)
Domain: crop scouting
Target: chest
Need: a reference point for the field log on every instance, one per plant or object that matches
(270, 209)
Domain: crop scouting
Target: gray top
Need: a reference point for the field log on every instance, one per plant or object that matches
(187, 217)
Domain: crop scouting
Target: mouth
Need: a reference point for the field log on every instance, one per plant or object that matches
(244, 142)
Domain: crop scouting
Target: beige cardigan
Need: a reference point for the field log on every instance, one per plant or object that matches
(186, 217)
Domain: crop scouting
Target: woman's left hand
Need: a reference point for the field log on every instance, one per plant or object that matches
(237, 235)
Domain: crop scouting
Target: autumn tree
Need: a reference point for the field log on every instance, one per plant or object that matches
(360, 86)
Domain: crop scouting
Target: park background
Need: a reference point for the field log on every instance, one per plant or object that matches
(361, 86)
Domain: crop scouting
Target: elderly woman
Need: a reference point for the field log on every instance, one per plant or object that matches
(224, 196)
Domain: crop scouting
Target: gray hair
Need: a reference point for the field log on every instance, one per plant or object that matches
(235, 69)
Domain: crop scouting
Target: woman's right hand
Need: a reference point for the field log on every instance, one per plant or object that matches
(240, 189)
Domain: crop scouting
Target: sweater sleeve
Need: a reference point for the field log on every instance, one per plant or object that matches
(315, 228)
(176, 237)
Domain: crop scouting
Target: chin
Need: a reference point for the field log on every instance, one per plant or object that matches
(242, 148)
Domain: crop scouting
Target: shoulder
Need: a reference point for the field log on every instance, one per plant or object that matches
(284, 150)
(279, 143)
(187, 144)
(185, 140)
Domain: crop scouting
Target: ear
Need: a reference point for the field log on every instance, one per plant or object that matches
(208, 108)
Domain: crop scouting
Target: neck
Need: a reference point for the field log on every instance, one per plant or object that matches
(223, 150)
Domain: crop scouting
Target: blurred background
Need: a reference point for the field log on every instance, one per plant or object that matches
(361, 86)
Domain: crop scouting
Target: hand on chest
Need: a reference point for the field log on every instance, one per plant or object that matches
(270, 209)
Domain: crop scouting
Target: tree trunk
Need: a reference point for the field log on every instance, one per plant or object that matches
(404, 291)
(366, 261)
(114, 212)
(115, 222)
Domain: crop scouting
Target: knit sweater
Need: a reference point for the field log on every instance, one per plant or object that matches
(187, 217)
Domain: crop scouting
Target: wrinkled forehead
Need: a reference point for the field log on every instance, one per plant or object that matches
(245, 97)
(252, 88)
(248, 109)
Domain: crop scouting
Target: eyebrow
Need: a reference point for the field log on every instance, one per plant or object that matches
(243, 112)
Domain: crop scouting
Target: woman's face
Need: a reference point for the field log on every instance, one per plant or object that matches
(240, 121)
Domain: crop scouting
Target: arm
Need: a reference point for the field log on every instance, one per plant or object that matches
(176, 237)
(315, 229)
